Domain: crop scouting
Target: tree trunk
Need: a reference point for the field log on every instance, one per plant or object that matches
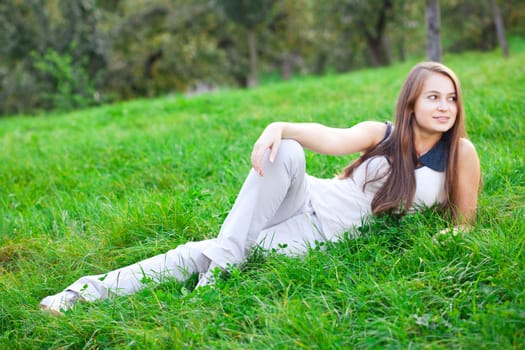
(378, 52)
(253, 79)
(401, 49)
(286, 66)
(500, 29)
(433, 24)
(376, 41)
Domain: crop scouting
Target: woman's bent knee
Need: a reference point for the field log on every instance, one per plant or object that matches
(290, 152)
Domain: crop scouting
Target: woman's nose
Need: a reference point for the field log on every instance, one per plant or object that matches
(443, 106)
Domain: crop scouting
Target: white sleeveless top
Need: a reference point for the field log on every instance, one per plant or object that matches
(341, 205)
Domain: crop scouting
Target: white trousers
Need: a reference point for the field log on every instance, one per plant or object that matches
(272, 211)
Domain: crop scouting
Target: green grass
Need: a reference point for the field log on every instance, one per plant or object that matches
(93, 190)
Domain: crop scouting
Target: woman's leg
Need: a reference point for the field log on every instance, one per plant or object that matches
(264, 201)
(293, 236)
(178, 263)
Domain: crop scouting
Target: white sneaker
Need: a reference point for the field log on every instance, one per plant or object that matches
(60, 302)
(206, 279)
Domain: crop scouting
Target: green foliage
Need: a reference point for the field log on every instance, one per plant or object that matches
(54, 55)
(249, 14)
(163, 48)
(96, 189)
(143, 48)
(71, 85)
(476, 34)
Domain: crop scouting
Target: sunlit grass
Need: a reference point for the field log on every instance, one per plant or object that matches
(92, 190)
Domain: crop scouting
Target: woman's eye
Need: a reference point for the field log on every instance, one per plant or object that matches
(432, 97)
(452, 98)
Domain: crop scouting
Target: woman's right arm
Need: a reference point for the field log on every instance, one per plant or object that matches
(318, 138)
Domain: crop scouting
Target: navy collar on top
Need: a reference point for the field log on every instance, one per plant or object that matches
(436, 158)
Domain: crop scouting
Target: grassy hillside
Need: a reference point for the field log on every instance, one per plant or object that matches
(93, 190)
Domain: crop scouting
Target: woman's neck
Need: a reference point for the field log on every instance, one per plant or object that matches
(424, 143)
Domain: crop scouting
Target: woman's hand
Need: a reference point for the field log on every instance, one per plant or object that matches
(454, 231)
(449, 232)
(269, 139)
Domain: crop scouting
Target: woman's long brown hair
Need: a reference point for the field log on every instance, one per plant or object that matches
(397, 194)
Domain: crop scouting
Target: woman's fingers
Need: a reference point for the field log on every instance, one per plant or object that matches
(259, 151)
(257, 156)
(269, 139)
(273, 150)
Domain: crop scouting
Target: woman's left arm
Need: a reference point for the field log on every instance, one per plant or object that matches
(469, 178)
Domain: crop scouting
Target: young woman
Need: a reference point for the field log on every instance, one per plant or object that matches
(421, 161)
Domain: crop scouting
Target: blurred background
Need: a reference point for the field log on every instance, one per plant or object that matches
(67, 54)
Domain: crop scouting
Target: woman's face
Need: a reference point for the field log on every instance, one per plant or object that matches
(435, 109)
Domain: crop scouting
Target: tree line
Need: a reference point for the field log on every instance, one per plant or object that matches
(65, 54)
